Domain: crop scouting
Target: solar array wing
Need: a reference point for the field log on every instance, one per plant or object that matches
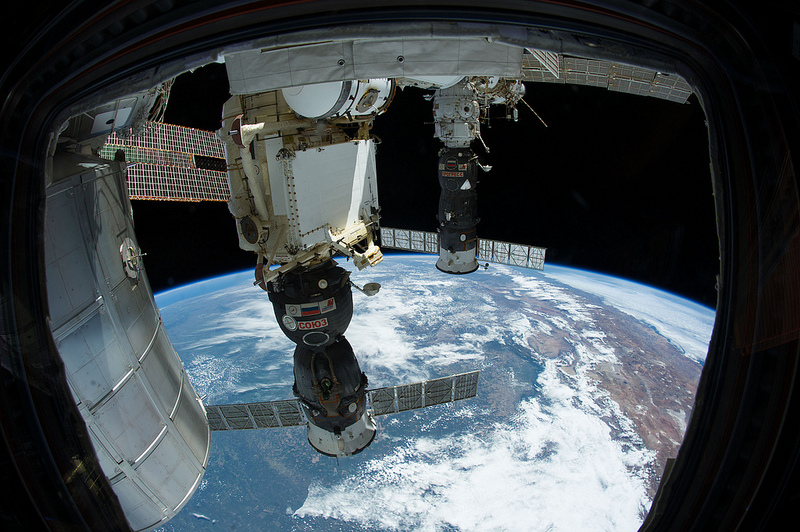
(513, 254)
(173, 163)
(548, 67)
(270, 414)
(410, 240)
(394, 399)
(495, 251)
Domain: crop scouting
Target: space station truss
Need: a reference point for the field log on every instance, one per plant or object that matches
(270, 414)
(495, 251)
(394, 399)
(541, 66)
(172, 163)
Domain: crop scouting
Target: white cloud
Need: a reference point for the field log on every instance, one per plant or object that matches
(685, 323)
(566, 460)
(553, 466)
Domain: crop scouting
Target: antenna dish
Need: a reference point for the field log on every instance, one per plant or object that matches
(371, 288)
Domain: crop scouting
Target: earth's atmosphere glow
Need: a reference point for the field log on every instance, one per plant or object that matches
(587, 382)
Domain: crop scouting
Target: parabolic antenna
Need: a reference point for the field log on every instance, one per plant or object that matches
(371, 288)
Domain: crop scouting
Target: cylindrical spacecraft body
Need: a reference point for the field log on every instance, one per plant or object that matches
(324, 101)
(313, 305)
(456, 115)
(332, 391)
(147, 424)
(458, 178)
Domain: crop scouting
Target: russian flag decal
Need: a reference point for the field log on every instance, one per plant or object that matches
(309, 309)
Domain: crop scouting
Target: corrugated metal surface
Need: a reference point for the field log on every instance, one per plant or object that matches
(261, 70)
(147, 424)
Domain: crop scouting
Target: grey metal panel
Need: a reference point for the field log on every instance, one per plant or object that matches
(130, 422)
(184, 416)
(165, 374)
(96, 358)
(256, 71)
(146, 422)
(64, 254)
(166, 469)
(435, 57)
(262, 70)
(394, 399)
(269, 414)
(140, 509)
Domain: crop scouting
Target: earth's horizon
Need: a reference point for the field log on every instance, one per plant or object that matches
(587, 383)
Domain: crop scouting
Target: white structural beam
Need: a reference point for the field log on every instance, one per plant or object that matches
(260, 70)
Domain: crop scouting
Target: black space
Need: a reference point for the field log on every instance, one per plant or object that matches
(616, 183)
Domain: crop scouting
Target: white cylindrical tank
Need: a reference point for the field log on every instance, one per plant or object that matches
(323, 101)
(148, 426)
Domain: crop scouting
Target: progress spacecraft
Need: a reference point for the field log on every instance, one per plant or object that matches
(103, 429)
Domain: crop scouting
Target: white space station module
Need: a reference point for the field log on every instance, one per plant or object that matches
(296, 164)
(301, 171)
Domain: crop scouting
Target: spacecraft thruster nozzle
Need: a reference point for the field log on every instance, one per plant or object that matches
(458, 178)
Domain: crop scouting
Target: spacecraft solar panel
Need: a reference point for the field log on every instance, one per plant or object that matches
(270, 414)
(512, 254)
(488, 250)
(394, 399)
(174, 163)
(541, 66)
(409, 240)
